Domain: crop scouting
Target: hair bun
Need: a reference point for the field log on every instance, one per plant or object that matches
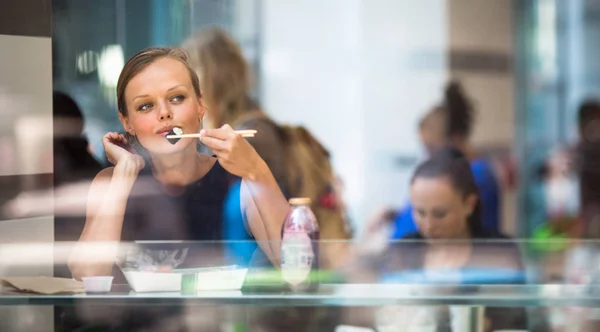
(459, 110)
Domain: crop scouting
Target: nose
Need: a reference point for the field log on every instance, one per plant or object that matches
(425, 225)
(165, 113)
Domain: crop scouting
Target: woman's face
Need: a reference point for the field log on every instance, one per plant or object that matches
(432, 140)
(439, 210)
(159, 98)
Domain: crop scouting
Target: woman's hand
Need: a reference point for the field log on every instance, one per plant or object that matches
(122, 155)
(235, 154)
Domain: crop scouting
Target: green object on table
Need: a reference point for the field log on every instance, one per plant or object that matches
(270, 280)
(239, 328)
(544, 239)
(188, 283)
(270, 276)
(273, 276)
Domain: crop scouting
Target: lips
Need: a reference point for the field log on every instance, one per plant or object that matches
(164, 131)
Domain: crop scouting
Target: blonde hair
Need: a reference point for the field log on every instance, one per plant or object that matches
(143, 59)
(223, 71)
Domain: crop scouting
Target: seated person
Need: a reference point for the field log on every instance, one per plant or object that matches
(158, 91)
(73, 164)
(160, 190)
(447, 211)
(451, 124)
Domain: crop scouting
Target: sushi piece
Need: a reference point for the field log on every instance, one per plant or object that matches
(174, 131)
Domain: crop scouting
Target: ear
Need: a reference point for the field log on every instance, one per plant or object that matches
(126, 123)
(471, 203)
(201, 107)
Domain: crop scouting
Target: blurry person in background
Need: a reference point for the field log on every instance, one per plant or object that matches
(560, 196)
(72, 158)
(225, 78)
(299, 163)
(568, 181)
(72, 164)
(451, 124)
(588, 121)
(445, 199)
(74, 168)
(576, 166)
(588, 166)
(446, 206)
(226, 81)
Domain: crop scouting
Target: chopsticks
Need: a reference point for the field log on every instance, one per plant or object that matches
(243, 133)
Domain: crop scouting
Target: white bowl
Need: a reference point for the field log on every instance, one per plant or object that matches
(141, 281)
(221, 280)
(204, 279)
(99, 284)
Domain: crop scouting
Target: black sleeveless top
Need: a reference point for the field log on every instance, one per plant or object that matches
(207, 211)
(195, 214)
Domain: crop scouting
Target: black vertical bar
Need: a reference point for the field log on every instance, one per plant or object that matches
(523, 18)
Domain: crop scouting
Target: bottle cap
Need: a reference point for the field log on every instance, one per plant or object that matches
(300, 201)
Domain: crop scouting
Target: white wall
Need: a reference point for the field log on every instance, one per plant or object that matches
(26, 94)
(404, 69)
(358, 74)
(26, 103)
(311, 75)
(26, 136)
(486, 26)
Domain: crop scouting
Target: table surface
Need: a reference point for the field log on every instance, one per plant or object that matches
(339, 295)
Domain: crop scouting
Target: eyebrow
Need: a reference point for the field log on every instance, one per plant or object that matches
(172, 88)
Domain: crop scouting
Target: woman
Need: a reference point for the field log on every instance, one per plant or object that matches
(445, 199)
(448, 215)
(157, 91)
(73, 165)
(225, 78)
(451, 124)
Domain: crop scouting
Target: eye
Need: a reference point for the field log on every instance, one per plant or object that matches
(145, 107)
(438, 214)
(421, 213)
(178, 98)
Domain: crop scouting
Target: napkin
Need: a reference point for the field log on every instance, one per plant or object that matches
(43, 285)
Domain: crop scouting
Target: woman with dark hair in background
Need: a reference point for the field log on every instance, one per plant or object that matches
(569, 180)
(451, 124)
(448, 214)
(72, 160)
(588, 160)
(445, 199)
(72, 164)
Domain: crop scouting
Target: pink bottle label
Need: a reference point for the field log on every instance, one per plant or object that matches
(297, 257)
